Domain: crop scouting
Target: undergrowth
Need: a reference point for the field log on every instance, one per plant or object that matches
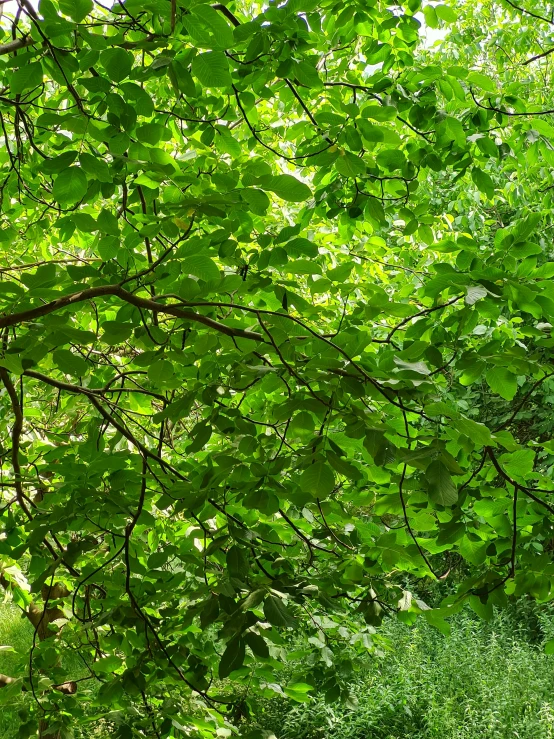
(485, 681)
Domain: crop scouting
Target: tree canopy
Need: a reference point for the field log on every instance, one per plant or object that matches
(276, 301)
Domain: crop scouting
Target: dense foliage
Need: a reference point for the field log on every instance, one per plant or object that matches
(487, 680)
(276, 301)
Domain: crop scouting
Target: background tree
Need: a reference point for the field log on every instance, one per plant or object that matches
(276, 304)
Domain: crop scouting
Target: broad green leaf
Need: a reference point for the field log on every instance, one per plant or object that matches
(502, 382)
(379, 112)
(391, 159)
(441, 487)
(317, 479)
(70, 363)
(26, 78)
(117, 63)
(475, 293)
(473, 550)
(350, 165)
(115, 332)
(107, 223)
(288, 188)
(202, 267)
(211, 69)
(477, 432)
(483, 181)
(518, 464)
(70, 186)
(483, 81)
(95, 167)
(214, 21)
(77, 10)
(277, 613)
(232, 658)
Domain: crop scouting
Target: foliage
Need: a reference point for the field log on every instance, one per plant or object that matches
(276, 304)
(487, 681)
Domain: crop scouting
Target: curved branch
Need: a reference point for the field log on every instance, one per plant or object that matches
(90, 293)
(16, 436)
(530, 13)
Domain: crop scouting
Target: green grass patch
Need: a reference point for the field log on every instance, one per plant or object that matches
(485, 681)
(15, 632)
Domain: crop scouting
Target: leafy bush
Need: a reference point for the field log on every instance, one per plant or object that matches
(485, 681)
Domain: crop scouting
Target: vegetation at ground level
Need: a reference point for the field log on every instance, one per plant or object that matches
(487, 680)
(276, 309)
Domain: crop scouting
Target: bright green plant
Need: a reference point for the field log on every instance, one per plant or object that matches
(487, 680)
(276, 297)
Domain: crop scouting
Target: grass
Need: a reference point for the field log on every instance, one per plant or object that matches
(15, 632)
(485, 681)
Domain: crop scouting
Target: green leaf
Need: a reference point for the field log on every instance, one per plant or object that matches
(288, 188)
(549, 647)
(518, 464)
(202, 433)
(543, 127)
(257, 644)
(211, 69)
(151, 133)
(350, 165)
(108, 248)
(317, 479)
(391, 159)
(502, 382)
(477, 432)
(303, 267)
(107, 223)
(379, 112)
(202, 267)
(307, 75)
(115, 332)
(441, 488)
(483, 610)
(108, 664)
(26, 78)
(237, 564)
(117, 63)
(477, 79)
(70, 186)
(483, 181)
(221, 32)
(77, 10)
(277, 613)
(475, 293)
(69, 363)
(95, 167)
(232, 658)
(257, 200)
(473, 550)
(446, 13)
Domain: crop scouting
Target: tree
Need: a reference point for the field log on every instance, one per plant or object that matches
(275, 307)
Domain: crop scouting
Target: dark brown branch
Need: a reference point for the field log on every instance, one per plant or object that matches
(330, 530)
(523, 401)
(14, 319)
(424, 312)
(530, 13)
(528, 492)
(15, 45)
(16, 436)
(542, 55)
(227, 13)
(506, 112)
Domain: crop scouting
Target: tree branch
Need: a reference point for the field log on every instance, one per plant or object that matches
(91, 293)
